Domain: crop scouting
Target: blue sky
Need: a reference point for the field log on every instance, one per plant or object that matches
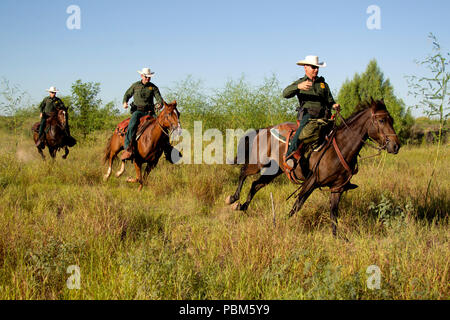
(214, 41)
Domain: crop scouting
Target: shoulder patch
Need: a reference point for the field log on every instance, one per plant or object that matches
(322, 85)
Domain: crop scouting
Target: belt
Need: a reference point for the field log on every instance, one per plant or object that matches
(147, 107)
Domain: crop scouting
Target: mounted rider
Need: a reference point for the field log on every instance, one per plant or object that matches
(316, 102)
(143, 92)
(48, 108)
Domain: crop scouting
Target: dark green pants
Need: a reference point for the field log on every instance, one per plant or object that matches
(132, 126)
(295, 142)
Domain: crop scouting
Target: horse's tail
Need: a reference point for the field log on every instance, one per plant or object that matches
(244, 147)
(108, 149)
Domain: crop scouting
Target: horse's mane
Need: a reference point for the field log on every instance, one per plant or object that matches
(360, 109)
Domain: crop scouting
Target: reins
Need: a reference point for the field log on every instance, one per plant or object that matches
(162, 128)
(332, 140)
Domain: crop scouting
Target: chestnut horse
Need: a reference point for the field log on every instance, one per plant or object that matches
(332, 166)
(55, 136)
(150, 145)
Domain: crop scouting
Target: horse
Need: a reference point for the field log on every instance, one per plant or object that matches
(151, 143)
(331, 167)
(55, 135)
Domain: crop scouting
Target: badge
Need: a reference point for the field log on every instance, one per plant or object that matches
(322, 85)
(150, 88)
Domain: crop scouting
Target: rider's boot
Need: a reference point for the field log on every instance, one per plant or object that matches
(40, 141)
(127, 154)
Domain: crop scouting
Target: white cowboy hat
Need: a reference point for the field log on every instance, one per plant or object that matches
(312, 61)
(146, 72)
(52, 89)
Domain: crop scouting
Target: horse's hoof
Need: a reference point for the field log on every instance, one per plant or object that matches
(140, 188)
(131, 180)
(229, 200)
(236, 206)
(105, 178)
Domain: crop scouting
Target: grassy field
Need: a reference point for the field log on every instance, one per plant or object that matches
(178, 240)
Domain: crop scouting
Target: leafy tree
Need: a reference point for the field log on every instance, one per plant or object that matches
(372, 84)
(85, 108)
(85, 102)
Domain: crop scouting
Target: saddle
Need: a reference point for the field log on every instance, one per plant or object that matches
(36, 125)
(285, 132)
(144, 122)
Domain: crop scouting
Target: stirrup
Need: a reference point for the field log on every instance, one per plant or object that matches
(289, 162)
(320, 147)
(128, 153)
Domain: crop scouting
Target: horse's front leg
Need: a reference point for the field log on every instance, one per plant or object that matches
(52, 152)
(308, 187)
(66, 152)
(138, 167)
(335, 197)
(148, 168)
(41, 153)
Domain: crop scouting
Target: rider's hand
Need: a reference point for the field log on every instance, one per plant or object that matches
(337, 107)
(125, 105)
(40, 115)
(305, 85)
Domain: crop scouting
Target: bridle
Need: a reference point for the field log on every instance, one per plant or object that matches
(167, 133)
(371, 142)
(385, 136)
(332, 141)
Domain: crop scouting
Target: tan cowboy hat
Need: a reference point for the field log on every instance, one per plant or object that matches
(312, 61)
(52, 89)
(146, 72)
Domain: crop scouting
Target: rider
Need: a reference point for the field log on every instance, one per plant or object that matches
(315, 100)
(143, 93)
(48, 107)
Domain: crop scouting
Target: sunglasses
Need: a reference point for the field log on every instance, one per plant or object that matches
(313, 67)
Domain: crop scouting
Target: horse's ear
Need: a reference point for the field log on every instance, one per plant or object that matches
(174, 103)
(373, 104)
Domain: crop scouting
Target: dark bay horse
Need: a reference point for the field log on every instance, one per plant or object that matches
(332, 166)
(150, 144)
(55, 136)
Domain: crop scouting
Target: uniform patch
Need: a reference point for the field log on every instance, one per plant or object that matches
(150, 88)
(322, 85)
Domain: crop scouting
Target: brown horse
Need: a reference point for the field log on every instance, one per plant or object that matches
(153, 141)
(332, 166)
(55, 134)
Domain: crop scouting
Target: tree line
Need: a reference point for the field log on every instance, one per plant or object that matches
(240, 105)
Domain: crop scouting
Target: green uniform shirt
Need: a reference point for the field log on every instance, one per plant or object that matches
(317, 101)
(143, 95)
(49, 105)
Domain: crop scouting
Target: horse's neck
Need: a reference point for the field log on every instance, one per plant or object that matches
(351, 139)
(155, 131)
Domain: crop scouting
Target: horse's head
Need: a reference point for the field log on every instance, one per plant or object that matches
(61, 116)
(170, 117)
(381, 127)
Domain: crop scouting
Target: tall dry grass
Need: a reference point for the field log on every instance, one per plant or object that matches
(178, 240)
